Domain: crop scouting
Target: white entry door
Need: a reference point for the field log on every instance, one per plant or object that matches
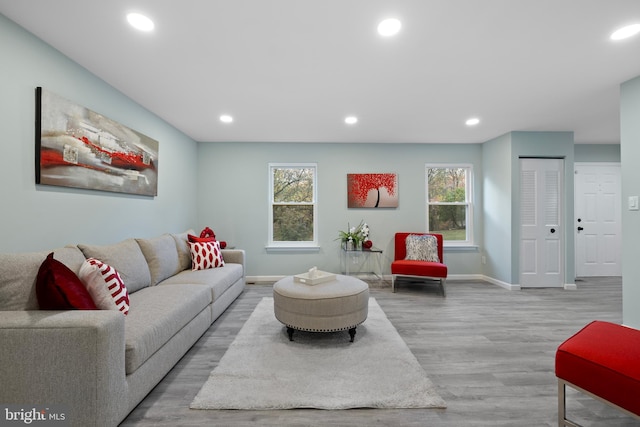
(541, 228)
(598, 219)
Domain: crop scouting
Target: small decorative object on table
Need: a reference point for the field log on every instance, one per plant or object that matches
(314, 277)
(355, 238)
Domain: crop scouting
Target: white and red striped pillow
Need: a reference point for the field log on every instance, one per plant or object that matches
(205, 255)
(104, 285)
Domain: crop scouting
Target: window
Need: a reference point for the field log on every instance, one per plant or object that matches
(292, 199)
(449, 202)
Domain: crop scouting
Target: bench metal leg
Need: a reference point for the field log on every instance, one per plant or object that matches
(562, 406)
(562, 403)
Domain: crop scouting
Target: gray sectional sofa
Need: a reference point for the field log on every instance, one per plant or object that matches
(99, 364)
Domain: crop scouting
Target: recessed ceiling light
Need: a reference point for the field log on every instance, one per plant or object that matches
(140, 22)
(472, 121)
(389, 27)
(351, 120)
(626, 32)
(225, 118)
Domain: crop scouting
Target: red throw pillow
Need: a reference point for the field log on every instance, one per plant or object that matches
(206, 235)
(196, 239)
(58, 288)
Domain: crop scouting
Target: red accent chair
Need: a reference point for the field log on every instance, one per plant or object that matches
(417, 269)
(603, 361)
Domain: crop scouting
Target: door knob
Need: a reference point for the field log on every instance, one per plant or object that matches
(553, 230)
(580, 228)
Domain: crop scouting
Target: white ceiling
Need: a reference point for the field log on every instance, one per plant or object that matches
(291, 70)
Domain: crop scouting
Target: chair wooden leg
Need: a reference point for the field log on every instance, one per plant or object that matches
(393, 283)
(442, 285)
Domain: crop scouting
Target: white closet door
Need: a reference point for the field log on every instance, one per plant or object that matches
(541, 228)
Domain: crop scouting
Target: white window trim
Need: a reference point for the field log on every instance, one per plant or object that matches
(469, 203)
(293, 246)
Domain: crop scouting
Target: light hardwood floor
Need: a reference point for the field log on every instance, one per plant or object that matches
(489, 351)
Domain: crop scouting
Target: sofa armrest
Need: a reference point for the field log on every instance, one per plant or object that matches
(70, 358)
(234, 256)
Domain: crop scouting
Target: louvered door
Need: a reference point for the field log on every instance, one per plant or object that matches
(541, 228)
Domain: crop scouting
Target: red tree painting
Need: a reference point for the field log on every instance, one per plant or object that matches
(372, 190)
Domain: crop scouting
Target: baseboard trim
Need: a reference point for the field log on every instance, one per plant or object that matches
(504, 285)
(254, 280)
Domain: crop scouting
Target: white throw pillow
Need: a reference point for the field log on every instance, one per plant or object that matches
(205, 255)
(104, 285)
(422, 247)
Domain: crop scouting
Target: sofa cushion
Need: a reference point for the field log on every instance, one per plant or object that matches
(157, 313)
(127, 258)
(18, 274)
(184, 253)
(59, 288)
(217, 279)
(105, 286)
(161, 254)
(205, 255)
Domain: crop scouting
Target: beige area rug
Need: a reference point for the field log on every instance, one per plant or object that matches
(262, 369)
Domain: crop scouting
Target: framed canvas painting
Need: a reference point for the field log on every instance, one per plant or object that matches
(79, 148)
(372, 190)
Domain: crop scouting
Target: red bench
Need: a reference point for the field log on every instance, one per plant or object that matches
(601, 360)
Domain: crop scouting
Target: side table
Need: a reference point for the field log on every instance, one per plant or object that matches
(346, 262)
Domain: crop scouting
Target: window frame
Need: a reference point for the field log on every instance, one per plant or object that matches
(469, 200)
(286, 245)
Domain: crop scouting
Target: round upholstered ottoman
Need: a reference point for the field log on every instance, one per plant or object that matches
(337, 305)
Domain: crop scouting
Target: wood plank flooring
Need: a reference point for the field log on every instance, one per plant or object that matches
(489, 351)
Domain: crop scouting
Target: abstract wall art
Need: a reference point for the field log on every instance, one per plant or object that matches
(77, 147)
(372, 190)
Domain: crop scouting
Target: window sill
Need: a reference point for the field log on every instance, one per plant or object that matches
(468, 247)
(292, 249)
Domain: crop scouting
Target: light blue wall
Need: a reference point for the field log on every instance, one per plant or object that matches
(497, 183)
(597, 153)
(543, 144)
(234, 197)
(45, 217)
(630, 154)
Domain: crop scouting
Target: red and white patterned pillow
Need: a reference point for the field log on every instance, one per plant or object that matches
(205, 255)
(104, 285)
